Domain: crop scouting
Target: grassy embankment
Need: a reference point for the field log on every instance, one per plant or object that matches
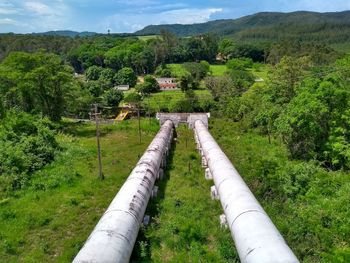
(51, 220)
(165, 99)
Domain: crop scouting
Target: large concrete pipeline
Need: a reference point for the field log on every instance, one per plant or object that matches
(256, 238)
(114, 236)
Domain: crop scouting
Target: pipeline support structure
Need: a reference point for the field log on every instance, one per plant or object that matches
(113, 238)
(256, 238)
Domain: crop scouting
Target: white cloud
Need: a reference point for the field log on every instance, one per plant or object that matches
(7, 8)
(7, 21)
(38, 8)
(130, 22)
(188, 16)
(7, 11)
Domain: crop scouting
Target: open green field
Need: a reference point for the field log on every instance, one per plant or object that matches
(218, 70)
(259, 70)
(165, 99)
(145, 38)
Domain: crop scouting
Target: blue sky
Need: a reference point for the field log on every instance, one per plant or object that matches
(22, 16)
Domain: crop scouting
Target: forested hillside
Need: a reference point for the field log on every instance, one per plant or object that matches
(311, 26)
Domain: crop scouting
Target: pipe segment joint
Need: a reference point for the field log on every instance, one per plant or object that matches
(208, 175)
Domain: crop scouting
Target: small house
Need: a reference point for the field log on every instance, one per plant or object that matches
(167, 84)
(123, 87)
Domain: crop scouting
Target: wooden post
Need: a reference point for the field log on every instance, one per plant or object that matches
(96, 115)
(138, 116)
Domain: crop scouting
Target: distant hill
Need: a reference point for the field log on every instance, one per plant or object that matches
(266, 25)
(66, 33)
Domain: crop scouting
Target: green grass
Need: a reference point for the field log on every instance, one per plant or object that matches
(145, 38)
(342, 47)
(50, 221)
(185, 225)
(165, 99)
(218, 70)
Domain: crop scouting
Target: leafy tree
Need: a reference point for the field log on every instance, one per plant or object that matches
(163, 71)
(113, 97)
(226, 46)
(126, 76)
(93, 72)
(107, 76)
(286, 77)
(239, 63)
(242, 80)
(150, 85)
(197, 70)
(95, 88)
(133, 98)
(303, 125)
(188, 83)
(35, 82)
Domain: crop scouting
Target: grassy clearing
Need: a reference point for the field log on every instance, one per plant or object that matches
(50, 221)
(218, 70)
(165, 99)
(145, 38)
(186, 226)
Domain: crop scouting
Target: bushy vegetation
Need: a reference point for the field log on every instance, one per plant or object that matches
(302, 104)
(27, 143)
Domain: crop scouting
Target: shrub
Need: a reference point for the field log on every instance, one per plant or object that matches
(27, 143)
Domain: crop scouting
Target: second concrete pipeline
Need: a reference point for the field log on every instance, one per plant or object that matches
(256, 238)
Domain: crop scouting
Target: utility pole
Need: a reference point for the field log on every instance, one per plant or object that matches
(97, 115)
(138, 116)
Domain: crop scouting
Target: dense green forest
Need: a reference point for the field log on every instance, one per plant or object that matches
(280, 107)
(269, 26)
